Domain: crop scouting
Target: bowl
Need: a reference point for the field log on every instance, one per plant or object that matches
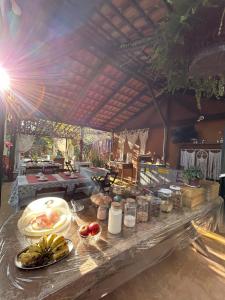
(90, 239)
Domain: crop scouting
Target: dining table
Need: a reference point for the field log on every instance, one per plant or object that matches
(91, 271)
(25, 187)
(93, 171)
(24, 166)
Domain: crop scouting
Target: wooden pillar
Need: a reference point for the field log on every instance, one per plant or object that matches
(164, 122)
(2, 130)
(167, 131)
(112, 147)
(81, 143)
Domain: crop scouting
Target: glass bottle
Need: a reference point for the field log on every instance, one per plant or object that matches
(130, 210)
(102, 212)
(176, 197)
(166, 200)
(142, 209)
(115, 218)
(155, 207)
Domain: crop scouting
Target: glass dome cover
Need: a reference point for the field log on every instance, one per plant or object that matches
(44, 216)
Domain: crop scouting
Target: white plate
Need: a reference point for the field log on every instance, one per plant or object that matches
(20, 266)
(42, 179)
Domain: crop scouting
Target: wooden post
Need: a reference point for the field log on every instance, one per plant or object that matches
(2, 129)
(164, 122)
(112, 147)
(81, 143)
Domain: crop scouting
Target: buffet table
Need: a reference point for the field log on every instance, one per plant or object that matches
(90, 272)
(25, 187)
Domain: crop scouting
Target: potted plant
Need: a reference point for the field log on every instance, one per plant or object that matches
(193, 176)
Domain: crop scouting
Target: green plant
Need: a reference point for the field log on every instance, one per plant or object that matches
(172, 57)
(193, 173)
(97, 160)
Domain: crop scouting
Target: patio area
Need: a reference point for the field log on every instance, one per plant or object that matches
(112, 149)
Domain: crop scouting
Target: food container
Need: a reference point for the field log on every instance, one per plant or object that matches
(102, 212)
(130, 211)
(44, 216)
(142, 209)
(176, 197)
(166, 200)
(115, 218)
(155, 207)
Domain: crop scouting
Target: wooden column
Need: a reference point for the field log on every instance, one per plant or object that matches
(112, 147)
(167, 131)
(2, 129)
(81, 143)
(164, 121)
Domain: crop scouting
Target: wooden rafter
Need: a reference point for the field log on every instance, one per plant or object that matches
(126, 107)
(143, 14)
(138, 113)
(122, 83)
(117, 11)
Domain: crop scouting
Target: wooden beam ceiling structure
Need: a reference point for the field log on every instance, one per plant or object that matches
(93, 72)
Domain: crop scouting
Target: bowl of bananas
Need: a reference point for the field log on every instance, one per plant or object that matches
(47, 251)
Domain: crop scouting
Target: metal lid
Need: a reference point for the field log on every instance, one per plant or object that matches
(116, 205)
(165, 191)
(175, 188)
(130, 200)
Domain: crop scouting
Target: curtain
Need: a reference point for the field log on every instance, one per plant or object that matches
(122, 139)
(23, 144)
(132, 138)
(143, 136)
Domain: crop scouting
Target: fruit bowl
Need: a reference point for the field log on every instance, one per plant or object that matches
(90, 234)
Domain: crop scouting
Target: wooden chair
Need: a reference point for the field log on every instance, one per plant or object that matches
(69, 166)
(52, 192)
(105, 183)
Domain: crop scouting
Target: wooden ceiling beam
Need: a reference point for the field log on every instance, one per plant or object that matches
(158, 109)
(102, 104)
(133, 100)
(148, 105)
(118, 12)
(143, 14)
(112, 25)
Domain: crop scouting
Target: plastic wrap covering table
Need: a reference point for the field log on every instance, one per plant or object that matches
(92, 271)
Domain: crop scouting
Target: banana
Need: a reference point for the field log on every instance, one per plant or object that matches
(34, 255)
(34, 248)
(50, 239)
(59, 246)
(43, 243)
(57, 241)
(60, 253)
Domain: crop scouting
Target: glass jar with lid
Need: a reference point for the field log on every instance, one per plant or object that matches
(166, 200)
(115, 218)
(155, 207)
(130, 211)
(102, 212)
(142, 209)
(176, 197)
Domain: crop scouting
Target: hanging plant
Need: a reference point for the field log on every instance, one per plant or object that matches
(172, 57)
